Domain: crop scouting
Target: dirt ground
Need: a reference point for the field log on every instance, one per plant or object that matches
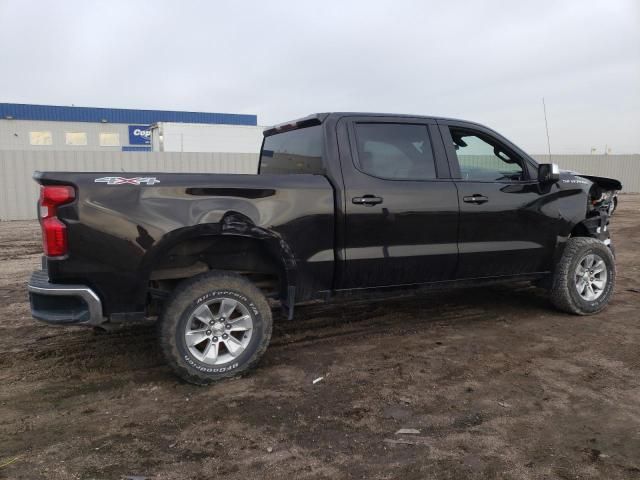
(498, 384)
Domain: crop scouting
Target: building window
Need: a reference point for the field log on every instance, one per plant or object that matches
(76, 138)
(40, 138)
(109, 139)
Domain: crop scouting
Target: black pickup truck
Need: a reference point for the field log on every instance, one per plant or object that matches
(343, 202)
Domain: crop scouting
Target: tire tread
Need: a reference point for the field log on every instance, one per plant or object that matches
(179, 300)
(560, 294)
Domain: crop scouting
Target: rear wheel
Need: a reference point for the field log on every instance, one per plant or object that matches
(584, 279)
(215, 325)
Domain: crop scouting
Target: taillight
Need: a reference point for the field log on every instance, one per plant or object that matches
(54, 232)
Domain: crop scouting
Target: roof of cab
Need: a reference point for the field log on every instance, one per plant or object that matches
(319, 118)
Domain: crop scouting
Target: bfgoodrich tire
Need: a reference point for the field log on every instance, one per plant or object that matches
(585, 277)
(214, 326)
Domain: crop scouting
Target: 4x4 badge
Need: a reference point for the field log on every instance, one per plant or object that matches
(127, 181)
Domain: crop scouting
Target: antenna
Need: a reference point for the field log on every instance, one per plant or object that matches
(546, 126)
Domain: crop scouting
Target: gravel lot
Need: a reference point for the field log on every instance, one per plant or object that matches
(498, 384)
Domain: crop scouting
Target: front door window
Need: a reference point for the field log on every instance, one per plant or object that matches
(483, 160)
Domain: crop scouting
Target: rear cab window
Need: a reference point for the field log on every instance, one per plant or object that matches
(298, 151)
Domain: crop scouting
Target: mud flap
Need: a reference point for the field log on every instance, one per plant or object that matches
(289, 304)
(598, 227)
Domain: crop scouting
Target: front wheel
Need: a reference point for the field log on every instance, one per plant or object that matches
(215, 325)
(585, 277)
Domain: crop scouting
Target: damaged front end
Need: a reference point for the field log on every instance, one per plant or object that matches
(603, 194)
(601, 202)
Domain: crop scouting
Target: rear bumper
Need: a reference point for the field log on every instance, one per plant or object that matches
(61, 304)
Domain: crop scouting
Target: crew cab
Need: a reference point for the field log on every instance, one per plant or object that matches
(342, 202)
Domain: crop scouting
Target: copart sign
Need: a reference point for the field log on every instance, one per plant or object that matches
(139, 135)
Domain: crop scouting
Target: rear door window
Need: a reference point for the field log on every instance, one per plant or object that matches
(395, 151)
(293, 152)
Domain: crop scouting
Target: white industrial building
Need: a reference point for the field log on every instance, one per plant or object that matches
(83, 139)
(62, 128)
(196, 137)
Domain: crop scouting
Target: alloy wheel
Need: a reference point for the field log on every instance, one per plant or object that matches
(591, 277)
(218, 331)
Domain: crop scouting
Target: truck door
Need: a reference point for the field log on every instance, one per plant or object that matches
(400, 204)
(506, 226)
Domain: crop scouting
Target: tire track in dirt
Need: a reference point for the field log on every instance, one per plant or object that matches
(315, 324)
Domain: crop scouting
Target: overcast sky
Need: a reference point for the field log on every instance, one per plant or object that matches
(488, 61)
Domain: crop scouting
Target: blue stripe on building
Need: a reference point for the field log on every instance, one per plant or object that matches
(136, 149)
(54, 113)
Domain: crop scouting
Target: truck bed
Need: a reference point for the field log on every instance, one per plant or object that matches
(122, 225)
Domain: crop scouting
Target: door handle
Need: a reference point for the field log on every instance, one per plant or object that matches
(369, 200)
(476, 198)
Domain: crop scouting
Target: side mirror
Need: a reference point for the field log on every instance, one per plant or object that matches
(548, 173)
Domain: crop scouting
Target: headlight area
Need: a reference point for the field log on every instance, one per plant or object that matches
(599, 199)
